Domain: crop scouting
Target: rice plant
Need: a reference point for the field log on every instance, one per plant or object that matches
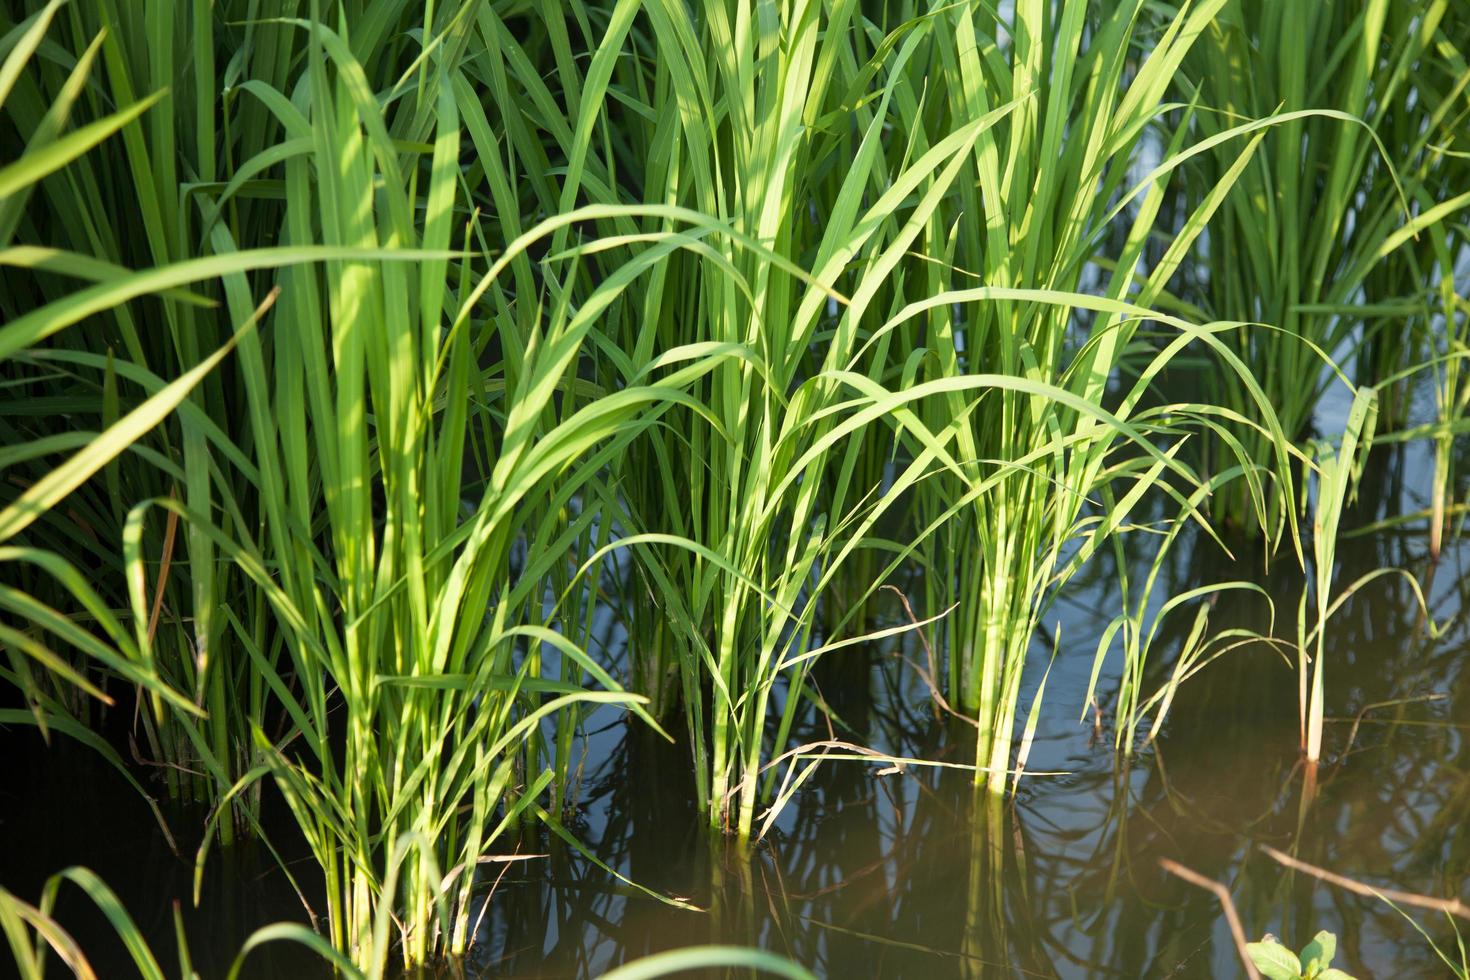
(1415, 288)
(745, 511)
(1149, 620)
(1335, 472)
(1041, 305)
(1311, 221)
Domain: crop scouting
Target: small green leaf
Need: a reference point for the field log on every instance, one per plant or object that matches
(1274, 960)
(1317, 955)
(1333, 973)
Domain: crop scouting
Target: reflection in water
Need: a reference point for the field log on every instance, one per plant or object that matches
(909, 874)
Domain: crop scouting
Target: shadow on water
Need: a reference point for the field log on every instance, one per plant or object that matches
(908, 873)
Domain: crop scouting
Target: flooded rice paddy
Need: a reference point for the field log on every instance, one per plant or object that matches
(873, 871)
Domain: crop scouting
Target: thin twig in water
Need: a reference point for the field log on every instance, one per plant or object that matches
(138, 758)
(826, 717)
(485, 905)
(1223, 894)
(807, 748)
(1450, 906)
(1358, 720)
(927, 675)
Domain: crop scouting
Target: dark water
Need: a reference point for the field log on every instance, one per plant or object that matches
(908, 874)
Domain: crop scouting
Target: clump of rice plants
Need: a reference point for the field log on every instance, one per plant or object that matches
(1417, 283)
(71, 650)
(998, 430)
(1036, 319)
(403, 654)
(1312, 223)
(747, 505)
(361, 357)
(145, 198)
(392, 590)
